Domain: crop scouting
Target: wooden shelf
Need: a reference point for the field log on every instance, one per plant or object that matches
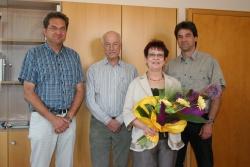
(21, 42)
(28, 4)
(10, 83)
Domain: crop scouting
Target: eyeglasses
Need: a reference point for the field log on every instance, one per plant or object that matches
(151, 55)
(55, 29)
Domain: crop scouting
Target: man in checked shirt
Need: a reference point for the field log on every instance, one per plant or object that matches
(107, 83)
(52, 78)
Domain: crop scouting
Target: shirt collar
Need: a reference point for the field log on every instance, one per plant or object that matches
(193, 57)
(106, 62)
(52, 51)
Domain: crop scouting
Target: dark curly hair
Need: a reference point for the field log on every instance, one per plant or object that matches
(156, 44)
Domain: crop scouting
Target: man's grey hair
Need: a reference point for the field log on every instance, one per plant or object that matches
(111, 32)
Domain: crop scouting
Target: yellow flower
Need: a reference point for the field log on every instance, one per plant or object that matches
(176, 127)
(154, 138)
(183, 102)
(201, 103)
(166, 102)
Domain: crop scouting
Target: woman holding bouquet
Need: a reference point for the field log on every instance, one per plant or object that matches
(150, 154)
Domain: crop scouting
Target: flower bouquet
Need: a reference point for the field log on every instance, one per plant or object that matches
(170, 111)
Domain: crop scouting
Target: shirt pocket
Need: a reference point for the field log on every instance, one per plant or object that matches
(200, 80)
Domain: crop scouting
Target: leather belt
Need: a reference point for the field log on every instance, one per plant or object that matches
(59, 111)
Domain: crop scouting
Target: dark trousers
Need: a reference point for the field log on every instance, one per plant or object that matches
(202, 148)
(101, 142)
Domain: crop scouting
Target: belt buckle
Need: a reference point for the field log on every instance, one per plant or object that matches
(63, 114)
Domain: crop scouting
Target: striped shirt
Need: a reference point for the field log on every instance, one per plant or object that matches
(106, 89)
(54, 74)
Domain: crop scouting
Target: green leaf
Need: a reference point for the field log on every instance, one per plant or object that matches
(162, 93)
(150, 108)
(157, 108)
(170, 93)
(143, 141)
(191, 118)
(142, 112)
(170, 110)
(141, 138)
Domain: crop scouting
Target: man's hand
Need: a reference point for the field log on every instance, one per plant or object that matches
(60, 124)
(206, 131)
(114, 125)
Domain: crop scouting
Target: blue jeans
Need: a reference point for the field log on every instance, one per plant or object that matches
(103, 141)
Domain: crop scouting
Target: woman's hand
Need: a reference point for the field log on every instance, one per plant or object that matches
(147, 130)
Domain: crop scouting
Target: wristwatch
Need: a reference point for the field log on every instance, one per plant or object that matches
(68, 118)
(210, 121)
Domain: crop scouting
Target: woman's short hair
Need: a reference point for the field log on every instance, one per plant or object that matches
(156, 44)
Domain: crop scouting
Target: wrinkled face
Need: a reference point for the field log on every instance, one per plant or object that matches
(155, 59)
(112, 46)
(55, 33)
(186, 40)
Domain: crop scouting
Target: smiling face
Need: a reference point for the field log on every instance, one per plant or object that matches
(186, 40)
(55, 33)
(155, 59)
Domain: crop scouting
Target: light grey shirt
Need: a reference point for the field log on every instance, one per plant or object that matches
(106, 89)
(196, 72)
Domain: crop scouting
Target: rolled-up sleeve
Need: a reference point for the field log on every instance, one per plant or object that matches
(216, 74)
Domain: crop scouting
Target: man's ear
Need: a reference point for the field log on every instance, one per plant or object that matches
(196, 39)
(44, 33)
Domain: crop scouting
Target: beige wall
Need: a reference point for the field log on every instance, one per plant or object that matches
(181, 5)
